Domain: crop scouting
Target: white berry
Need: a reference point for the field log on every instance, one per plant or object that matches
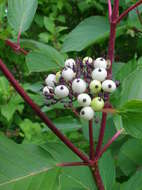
(61, 91)
(100, 63)
(50, 80)
(95, 86)
(47, 90)
(84, 100)
(87, 113)
(87, 60)
(109, 86)
(79, 86)
(70, 63)
(68, 74)
(99, 74)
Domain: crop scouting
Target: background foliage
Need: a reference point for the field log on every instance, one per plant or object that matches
(60, 29)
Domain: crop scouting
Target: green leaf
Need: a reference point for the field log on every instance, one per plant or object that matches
(9, 109)
(24, 166)
(135, 182)
(40, 62)
(47, 53)
(89, 31)
(131, 87)
(130, 156)
(131, 113)
(107, 170)
(21, 13)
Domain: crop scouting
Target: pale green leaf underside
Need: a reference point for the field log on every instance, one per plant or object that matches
(21, 13)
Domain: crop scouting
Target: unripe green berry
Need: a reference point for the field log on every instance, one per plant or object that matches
(95, 86)
(58, 76)
(97, 104)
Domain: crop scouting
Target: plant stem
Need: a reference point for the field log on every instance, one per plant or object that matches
(110, 142)
(42, 116)
(127, 11)
(111, 47)
(72, 164)
(101, 135)
(109, 10)
(91, 140)
(97, 177)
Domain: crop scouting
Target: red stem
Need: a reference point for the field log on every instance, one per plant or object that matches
(91, 140)
(110, 142)
(16, 47)
(101, 135)
(139, 16)
(42, 116)
(18, 38)
(109, 10)
(97, 177)
(72, 164)
(127, 11)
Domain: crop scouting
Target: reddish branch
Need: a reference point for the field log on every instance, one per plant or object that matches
(128, 10)
(109, 143)
(72, 164)
(37, 110)
(92, 151)
(109, 10)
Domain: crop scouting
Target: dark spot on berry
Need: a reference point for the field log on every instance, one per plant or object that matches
(84, 100)
(100, 70)
(96, 86)
(78, 80)
(101, 59)
(99, 99)
(83, 112)
(61, 87)
(109, 86)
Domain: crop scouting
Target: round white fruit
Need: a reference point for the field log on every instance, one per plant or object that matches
(50, 80)
(47, 90)
(97, 104)
(87, 60)
(70, 63)
(79, 86)
(100, 63)
(61, 91)
(68, 74)
(99, 74)
(109, 86)
(87, 113)
(95, 86)
(84, 100)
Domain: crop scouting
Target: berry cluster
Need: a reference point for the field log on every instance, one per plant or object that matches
(86, 81)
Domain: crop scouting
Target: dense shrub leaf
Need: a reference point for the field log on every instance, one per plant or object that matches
(89, 31)
(21, 13)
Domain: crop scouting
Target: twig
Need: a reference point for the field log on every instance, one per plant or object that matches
(110, 142)
(109, 10)
(101, 135)
(42, 116)
(92, 151)
(72, 164)
(127, 11)
(139, 16)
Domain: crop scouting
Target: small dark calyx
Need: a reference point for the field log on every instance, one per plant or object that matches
(100, 70)
(83, 112)
(101, 59)
(84, 100)
(62, 88)
(96, 86)
(109, 86)
(78, 80)
(99, 99)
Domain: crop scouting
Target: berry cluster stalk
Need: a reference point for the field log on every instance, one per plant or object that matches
(92, 162)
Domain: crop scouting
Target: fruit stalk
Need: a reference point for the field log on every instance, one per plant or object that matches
(92, 151)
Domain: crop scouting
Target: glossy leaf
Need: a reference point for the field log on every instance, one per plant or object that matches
(21, 14)
(131, 113)
(89, 31)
